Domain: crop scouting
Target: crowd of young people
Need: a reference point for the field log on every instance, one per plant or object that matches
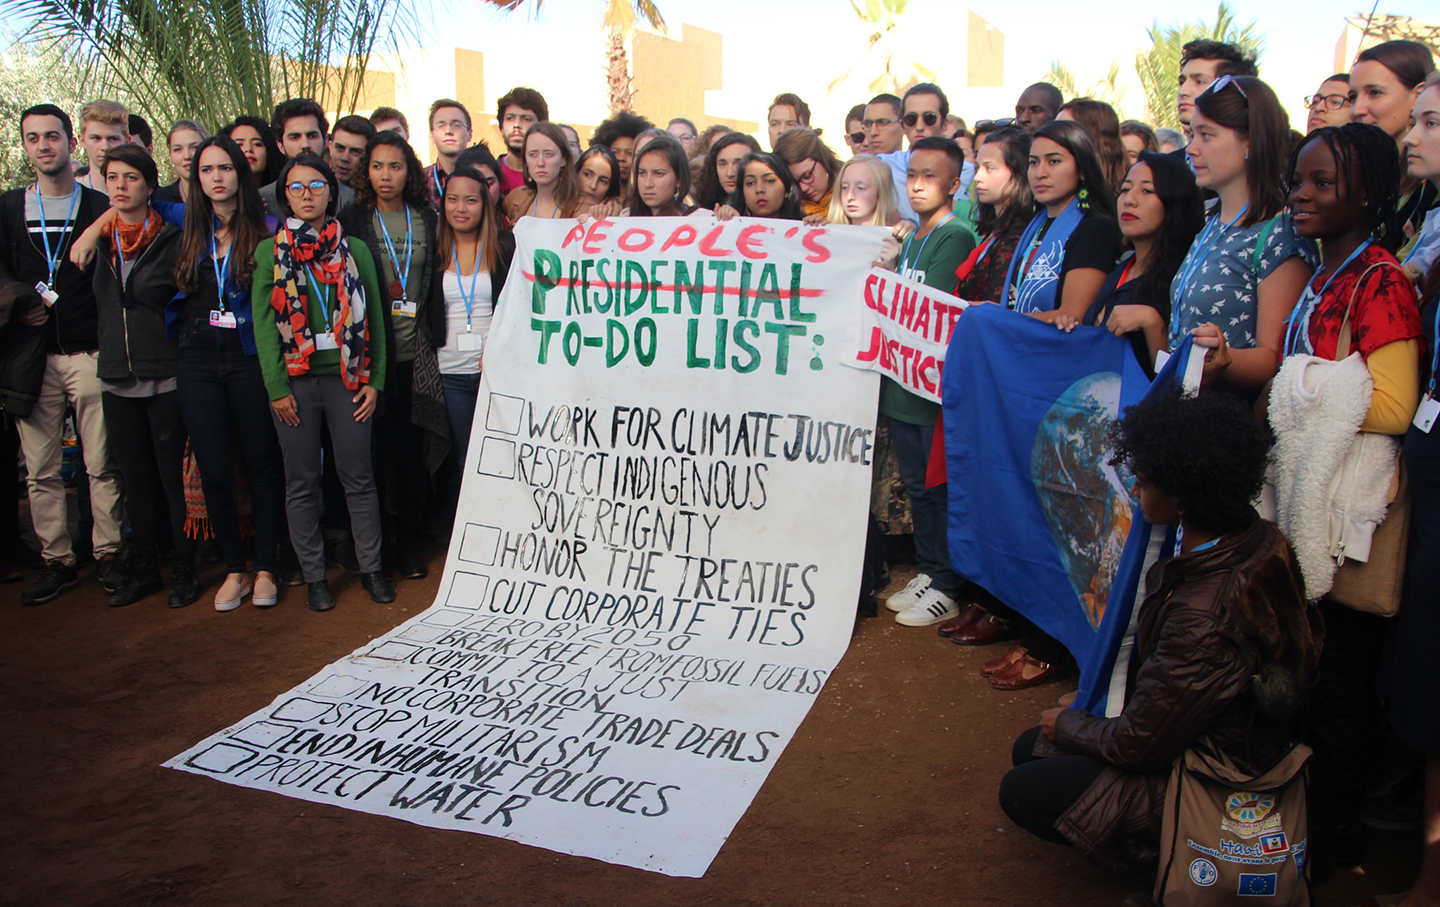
(282, 350)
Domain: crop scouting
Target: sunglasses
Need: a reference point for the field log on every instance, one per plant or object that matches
(295, 190)
(982, 125)
(1224, 82)
(1331, 101)
(857, 137)
(930, 117)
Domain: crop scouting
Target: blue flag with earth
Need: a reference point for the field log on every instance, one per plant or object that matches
(1037, 514)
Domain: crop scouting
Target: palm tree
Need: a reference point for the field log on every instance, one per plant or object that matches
(1159, 67)
(213, 59)
(619, 21)
(882, 18)
(1107, 89)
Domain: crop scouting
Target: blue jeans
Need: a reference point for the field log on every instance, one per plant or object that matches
(927, 505)
(461, 392)
(225, 405)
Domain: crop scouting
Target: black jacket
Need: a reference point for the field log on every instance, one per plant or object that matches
(133, 341)
(359, 223)
(71, 327)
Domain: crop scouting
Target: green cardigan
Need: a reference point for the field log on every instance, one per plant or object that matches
(322, 362)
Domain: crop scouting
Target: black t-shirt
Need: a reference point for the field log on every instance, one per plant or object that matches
(1112, 293)
(1095, 243)
(169, 193)
(206, 297)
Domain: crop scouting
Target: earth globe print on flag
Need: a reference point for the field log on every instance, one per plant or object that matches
(1087, 501)
(1037, 516)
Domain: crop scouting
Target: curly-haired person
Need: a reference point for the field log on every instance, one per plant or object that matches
(1224, 642)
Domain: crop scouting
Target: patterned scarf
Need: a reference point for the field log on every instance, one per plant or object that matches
(131, 239)
(328, 257)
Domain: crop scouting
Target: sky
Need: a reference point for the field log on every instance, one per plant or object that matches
(802, 45)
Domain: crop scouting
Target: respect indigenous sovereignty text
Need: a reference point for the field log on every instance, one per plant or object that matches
(655, 564)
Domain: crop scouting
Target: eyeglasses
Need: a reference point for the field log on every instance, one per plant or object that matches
(684, 136)
(1331, 101)
(808, 176)
(877, 124)
(983, 125)
(1224, 82)
(295, 190)
(857, 137)
(930, 117)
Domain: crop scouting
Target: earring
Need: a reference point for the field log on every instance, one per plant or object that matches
(1084, 197)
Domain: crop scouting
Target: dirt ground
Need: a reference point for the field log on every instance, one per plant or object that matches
(886, 796)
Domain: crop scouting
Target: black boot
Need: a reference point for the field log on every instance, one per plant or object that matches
(320, 597)
(410, 564)
(142, 578)
(378, 587)
(184, 585)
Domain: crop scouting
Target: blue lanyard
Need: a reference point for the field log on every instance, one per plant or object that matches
(324, 299)
(52, 259)
(435, 178)
(1297, 328)
(390, 247)
(1435, 352)
(1201, 250)
(459, 282)
(221, 269)
(1203, 546)
(911, 238)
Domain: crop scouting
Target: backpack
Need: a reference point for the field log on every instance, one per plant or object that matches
(1228, 838)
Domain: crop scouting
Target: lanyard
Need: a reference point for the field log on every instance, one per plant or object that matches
(390, 248)
(556, 214)
(1125, 274)
(221, 268)
(1203, 546)
(985, 248)
(53, 258)
(324, 299)
(1201, 250)
(905, 257)
(1297, 328)
(435, 178)
(1435, 353)
(460, 282)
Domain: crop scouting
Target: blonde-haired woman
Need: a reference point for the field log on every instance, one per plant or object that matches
(864, 196)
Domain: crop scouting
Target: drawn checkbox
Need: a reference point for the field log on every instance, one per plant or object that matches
(263, 734)
(497, 458)
(504, 414)
(467, 590)
(221, 759)
(479, 544)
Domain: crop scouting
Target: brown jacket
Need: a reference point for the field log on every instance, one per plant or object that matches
(1210, 621)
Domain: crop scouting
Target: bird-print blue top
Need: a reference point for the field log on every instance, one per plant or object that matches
(1224, 272)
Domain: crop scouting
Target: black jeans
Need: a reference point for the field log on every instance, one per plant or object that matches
(1039, 790)
(223, 397)
(147, 440)
(400, 474)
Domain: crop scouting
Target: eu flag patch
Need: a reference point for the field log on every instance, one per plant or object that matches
(1254, 884)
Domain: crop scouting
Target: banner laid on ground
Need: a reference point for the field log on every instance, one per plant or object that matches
(654, 568)
(1037, 515)
(903, 331)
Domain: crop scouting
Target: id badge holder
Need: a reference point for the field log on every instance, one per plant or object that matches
(47, 293)
(219, 318)
(403, 308)
(326, 341)
(468, 342)
(1428, 412)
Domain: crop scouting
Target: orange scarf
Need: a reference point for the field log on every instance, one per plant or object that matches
(129, 240)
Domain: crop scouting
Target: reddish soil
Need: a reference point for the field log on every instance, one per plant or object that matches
(886, 796)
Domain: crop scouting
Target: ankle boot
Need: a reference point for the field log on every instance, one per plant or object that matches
(142, 578)
(184, 584)
(378, 587)
(320, 597)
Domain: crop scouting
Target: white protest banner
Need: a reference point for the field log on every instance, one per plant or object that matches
(903, 331)
(654, 567)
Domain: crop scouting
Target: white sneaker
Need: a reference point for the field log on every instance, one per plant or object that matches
(932, 608)
(906, 598)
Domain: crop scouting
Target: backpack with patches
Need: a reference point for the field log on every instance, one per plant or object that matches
(1229, 838)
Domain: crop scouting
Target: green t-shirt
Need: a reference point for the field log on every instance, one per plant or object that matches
(931, 260)
(322, 362)
(404, 327)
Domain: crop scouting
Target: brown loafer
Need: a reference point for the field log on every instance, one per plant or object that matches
(985, 631)
(1025, 673)
(996, 665)
(967, 617)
